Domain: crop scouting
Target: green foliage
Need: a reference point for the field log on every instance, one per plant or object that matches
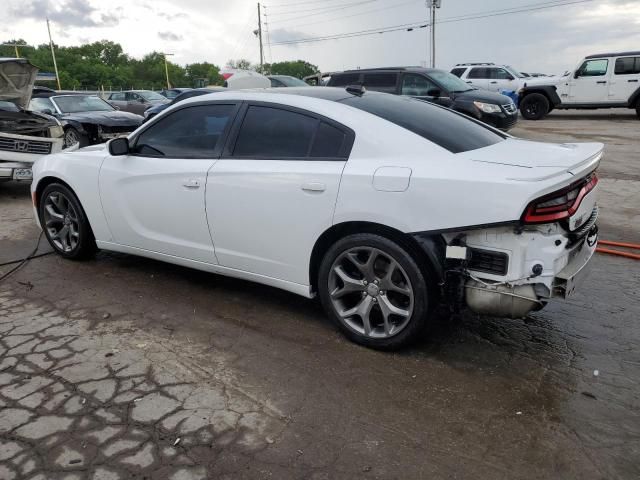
(293, 68)
(104, 64)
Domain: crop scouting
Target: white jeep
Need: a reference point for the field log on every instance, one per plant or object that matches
(608, 80)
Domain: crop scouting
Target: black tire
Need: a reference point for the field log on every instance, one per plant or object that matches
(534, 106)
(71, 133)
(420, 282)
(85, 246)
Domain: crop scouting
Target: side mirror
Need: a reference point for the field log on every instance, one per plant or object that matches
(119, 146)
(141, 100)
(434, 92)
(47, 111)
(577, 74)
(116, 107)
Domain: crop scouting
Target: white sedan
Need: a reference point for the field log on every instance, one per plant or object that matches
(383, 206)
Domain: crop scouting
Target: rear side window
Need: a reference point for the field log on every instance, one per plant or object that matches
(387, 80)
(627, 65)
(458, 72)
(192, 132)
(479, 73)
(117, 96)
(342, 80)
(443, 127)
(275, 133)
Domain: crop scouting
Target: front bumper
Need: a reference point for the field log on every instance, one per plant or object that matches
(502, 121)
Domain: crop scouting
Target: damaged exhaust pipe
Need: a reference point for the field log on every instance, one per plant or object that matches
(501, 300)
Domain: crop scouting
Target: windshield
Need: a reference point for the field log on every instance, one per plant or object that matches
(450, 82)
(81, 103)
(151, 96)
(292, 81)
(514, 72)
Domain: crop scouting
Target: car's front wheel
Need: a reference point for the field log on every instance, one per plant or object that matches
(65, 223)
(534, 106)
(374, 291)
(73, 136)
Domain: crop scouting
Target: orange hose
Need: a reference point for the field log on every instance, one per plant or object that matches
(619, 244)
(618, 252)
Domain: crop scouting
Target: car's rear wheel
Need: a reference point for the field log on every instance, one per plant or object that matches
(65, 223)
(534, 106)
(374, 290)
(73, 136)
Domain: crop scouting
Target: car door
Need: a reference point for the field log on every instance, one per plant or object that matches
(154, 197)
(589, 83)
(420, 86)
(478, 77)
(135, 103)
(273, 191)
(501, 80)
(118, 100)
(625, 79)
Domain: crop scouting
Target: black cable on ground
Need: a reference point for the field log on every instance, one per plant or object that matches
(23, 262)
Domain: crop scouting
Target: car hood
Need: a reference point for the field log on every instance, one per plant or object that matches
(483, 96)
(536, 160)
(110, 119)
(157, 108)
(23, 122)
(534, 81)
(17, 77)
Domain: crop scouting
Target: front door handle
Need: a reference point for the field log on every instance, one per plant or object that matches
(191, 183)
(314, 187)
(602, 81)
(494, 82)
(634, 81)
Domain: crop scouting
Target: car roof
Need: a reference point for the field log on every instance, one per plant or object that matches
(619, 54)
(389, 70)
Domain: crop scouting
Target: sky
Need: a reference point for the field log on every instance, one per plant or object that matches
(548, 40)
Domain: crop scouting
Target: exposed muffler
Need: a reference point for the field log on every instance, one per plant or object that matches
(501, 300)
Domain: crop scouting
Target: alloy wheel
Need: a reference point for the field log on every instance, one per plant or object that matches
(71, 137)
(370, 292)
(61, 221)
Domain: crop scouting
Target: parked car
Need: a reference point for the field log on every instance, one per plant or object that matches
(435, 86)
(382, 205)
(318, 79)
(25, 136)
(286, 81)
(192, 92)
(490, 76)
(172, 93)
(87, 119)
(136, 101)
(238, 79)
(607, 80)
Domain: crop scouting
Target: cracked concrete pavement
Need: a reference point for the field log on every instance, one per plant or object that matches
(122, 367)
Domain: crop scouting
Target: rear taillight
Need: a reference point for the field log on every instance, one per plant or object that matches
(561, 204)
(226, 76)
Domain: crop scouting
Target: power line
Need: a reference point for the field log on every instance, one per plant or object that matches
(326, 7)
(407, 26)
(279, 5)
(330, 10)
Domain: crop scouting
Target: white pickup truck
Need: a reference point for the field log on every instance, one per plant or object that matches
(25, 136)
(608, 80)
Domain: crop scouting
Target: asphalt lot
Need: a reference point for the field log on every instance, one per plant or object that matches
(121, 367)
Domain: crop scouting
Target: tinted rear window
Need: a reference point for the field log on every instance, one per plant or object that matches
(438, 125)
(344, 79)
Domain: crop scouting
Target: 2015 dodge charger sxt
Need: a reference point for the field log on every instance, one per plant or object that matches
(383, 206)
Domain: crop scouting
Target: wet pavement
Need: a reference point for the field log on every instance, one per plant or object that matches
(123, 367)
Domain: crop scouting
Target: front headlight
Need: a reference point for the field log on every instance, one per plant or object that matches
(56, 132)
(488, 107)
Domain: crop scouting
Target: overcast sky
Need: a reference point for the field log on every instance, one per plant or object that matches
(549, 40)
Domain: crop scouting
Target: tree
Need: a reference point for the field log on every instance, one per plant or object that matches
(241, 64)
(207, 71)
(293, 68)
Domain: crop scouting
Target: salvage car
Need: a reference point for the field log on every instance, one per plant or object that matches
(383, 206)
(24, 135)
(136, 101)
(87, 119)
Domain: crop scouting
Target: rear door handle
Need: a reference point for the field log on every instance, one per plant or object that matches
(314, 187)
(469, 81)
(635, 81)
(602, 81)
(494, 82)
(191, 183)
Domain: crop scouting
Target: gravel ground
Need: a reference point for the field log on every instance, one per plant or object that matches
(122, 367)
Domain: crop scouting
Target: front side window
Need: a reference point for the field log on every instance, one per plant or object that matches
(386, 80)
(41, 104)
(117, 97)
(192, 132)
(417, 85)
(627, 65)
(594, 68)
(274, 133)
(501, 74)
(344, 80)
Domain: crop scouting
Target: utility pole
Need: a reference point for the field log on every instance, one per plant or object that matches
(166, 68)
(260, 37)
(432, 5)
(53, 55)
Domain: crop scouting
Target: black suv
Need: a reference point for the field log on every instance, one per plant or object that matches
(435, 86)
